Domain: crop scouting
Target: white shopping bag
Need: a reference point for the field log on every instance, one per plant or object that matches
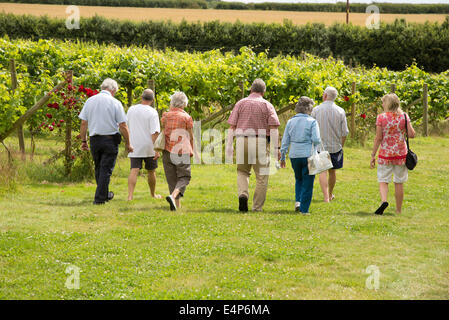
(159, 144)
(319, 162)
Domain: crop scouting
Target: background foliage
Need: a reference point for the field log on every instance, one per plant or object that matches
(395, 46)
(210, 79)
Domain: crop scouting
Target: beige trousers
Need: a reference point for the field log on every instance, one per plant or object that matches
(249, 156)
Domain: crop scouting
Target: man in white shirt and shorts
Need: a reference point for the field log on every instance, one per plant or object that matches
(144, 127)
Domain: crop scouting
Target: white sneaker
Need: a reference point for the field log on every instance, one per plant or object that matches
(172, 203)
(297, 205)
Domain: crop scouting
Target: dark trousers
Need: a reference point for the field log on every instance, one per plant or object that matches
(304, 183)
(104, 152)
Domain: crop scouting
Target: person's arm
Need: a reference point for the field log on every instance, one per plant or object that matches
(273, 125)
(123, 127)
(153, 138)
(343, 140)
(316, 137)
(410, 131)
(154, 123)
(83, 116)
(377, 142)
(230, 141)
(83, 134)
(285, 144)
(344, 129)
(274, 137)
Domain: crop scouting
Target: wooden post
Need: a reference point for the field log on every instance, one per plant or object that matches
(129, 93)
(393, 88)
(426, 109)
(152, 85)
(12, 68)
(354, 87)
(347, 11)
(242, 89)
(38, 105)
(68, 131)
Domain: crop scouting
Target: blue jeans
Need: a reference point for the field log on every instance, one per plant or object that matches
(304, 183)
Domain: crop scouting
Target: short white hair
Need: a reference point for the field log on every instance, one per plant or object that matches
(179, 100)
(109, 84)
(331, 93)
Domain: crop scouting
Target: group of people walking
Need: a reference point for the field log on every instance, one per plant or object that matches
(254, 127)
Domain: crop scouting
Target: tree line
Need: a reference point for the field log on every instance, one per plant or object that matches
(404, 8)
(395, 45)
(184, 4)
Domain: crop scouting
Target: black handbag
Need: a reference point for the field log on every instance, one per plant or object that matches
(412, 159)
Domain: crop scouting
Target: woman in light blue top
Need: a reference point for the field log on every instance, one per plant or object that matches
(300, 134)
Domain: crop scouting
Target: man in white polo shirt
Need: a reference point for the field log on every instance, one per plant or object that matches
(143, 122)
(104, 117)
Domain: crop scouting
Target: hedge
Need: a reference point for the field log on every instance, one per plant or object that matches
(395, 45)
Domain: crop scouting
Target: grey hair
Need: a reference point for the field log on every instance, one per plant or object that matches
(304, 105)
(331, 93)
(179, 100)
(148, 95)
(109, 84)
(258, 86)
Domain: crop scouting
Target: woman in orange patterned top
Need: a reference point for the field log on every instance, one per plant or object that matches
(390, 136)
(178, 130)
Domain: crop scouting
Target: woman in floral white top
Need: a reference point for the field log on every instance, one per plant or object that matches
(390, 136)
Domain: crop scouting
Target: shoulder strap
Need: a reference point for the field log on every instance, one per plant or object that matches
(406, 131)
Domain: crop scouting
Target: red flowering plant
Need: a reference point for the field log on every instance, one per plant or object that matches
(363, 114)
(62, 113)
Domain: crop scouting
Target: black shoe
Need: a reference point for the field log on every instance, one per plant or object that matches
(243, 204)
(171, 201)
(95, 202)
(110, 195)
(381, 209)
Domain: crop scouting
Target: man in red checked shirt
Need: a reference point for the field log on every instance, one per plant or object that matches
(254, 123)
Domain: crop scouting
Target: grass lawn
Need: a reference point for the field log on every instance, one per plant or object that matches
(208, 250)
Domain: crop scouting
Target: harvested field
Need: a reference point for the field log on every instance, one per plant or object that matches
(177, 15)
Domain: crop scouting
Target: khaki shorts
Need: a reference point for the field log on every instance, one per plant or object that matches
(384, 173)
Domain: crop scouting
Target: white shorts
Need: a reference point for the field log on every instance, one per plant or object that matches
(384, 173)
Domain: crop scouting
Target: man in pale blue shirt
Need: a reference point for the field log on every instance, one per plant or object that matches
(104, 117)
(300, 135)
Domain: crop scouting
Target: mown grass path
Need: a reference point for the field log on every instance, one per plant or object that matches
(208, 250)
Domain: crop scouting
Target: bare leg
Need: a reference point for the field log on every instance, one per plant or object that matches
(399, 194)
(152, 183)
(383, 188)
(332, 181)
(132, 180)
(324, 186)
(174, 195)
